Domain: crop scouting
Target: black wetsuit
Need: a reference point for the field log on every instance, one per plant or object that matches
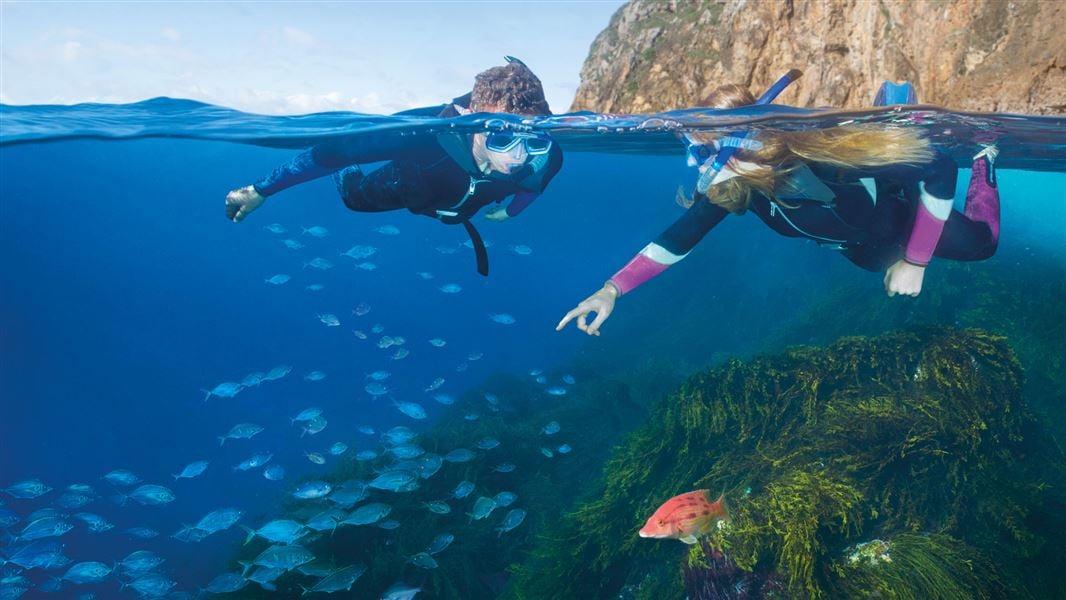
(429, 174)
(873, 235)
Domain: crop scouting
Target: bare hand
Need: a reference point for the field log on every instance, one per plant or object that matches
(498, 214)
(601, 303)
(241, 202)
(904, 278)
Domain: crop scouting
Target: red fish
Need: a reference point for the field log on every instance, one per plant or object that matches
(686, 517)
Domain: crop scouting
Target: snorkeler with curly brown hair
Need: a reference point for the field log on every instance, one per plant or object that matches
(881, 196)
(447, 176)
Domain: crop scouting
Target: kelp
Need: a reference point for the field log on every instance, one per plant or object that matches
(920, 437)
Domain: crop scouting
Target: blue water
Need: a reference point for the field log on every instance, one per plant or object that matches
(125, 291)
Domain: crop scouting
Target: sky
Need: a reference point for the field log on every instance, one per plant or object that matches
(287, 57)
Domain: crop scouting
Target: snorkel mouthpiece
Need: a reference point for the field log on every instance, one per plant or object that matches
(734, 141)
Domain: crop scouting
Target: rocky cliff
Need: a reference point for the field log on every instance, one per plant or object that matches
(974, 55)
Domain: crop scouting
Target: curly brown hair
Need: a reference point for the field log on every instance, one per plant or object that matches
(512, 88)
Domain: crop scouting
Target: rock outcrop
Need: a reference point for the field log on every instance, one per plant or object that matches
(971, 55)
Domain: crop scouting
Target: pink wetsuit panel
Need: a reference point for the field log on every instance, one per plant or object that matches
(636, 272)
(924, 237)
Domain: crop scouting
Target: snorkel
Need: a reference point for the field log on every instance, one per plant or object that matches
(728, 146)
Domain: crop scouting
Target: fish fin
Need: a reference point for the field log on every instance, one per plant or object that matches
(208, 392)
(306, 590)
(251, 533)
(688, 539)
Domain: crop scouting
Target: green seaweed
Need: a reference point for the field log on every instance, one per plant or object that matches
(918, 432)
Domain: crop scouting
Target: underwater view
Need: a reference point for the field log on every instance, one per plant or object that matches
(208, 394)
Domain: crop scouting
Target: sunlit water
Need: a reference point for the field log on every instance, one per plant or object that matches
(125, 292)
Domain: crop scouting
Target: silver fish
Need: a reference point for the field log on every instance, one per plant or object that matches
(360, 252)
(487, 443)
(400, 591)
(398, 435)
(505, 499)
(284, 557)
(277, 373)
(219, 520)
(440, 543)
(463, 489)
(240, 431)
(394, 480)
(445, 399)
(152, 495)
(483, 507)
(411, 409)
(44, 527)
(96, 523)
(87, 572)
(438, 507)
(329, 320)
(316, 231)
(193, 469)
(138, 563)
(312, 489)
(279, 279)
(282, 531)
(513, 519)
(460, 455)
(307, 414)
(274, 473)
(341, 579)
(367, 514)
(423, 560)
(227, 389)
(226, 583)
(406, 451)
(326, 519)
(151, 585)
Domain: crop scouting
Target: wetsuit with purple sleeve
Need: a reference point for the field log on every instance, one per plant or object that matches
(874, 216)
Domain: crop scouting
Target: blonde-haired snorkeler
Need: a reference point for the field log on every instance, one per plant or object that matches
(882, 196)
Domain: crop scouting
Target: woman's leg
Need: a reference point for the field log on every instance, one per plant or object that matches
(974, 234)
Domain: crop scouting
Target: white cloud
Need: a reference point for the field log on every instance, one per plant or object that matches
(70, 50)
(299, 36)
(171, 34)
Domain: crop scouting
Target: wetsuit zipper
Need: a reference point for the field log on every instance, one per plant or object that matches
(469, 191)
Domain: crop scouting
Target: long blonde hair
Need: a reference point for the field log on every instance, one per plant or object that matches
(848, 146)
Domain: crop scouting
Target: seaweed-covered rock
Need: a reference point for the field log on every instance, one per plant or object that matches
(918, 438)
